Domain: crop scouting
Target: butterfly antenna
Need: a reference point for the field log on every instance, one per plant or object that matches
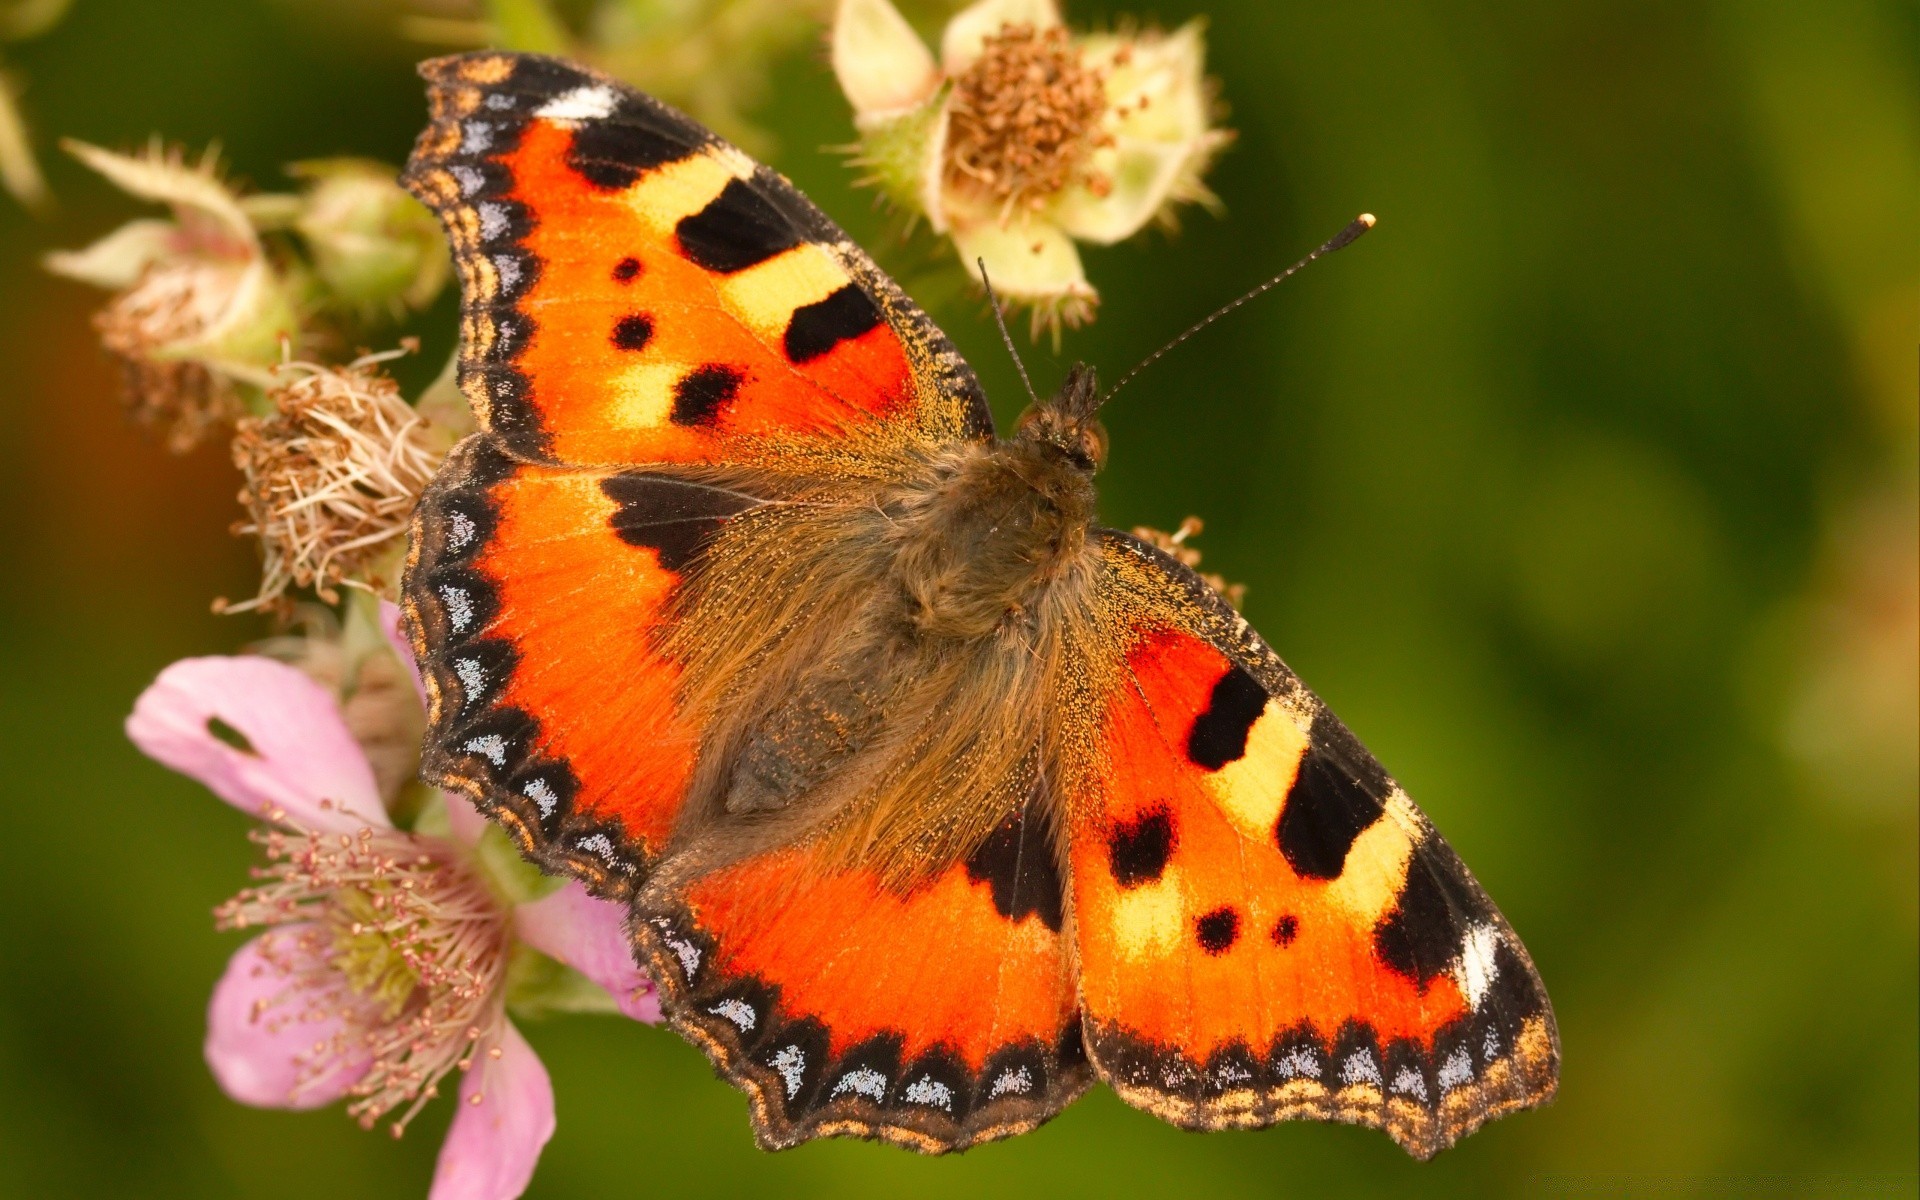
(1000, 319)
(1345, 237)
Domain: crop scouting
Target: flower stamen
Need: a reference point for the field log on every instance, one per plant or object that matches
(391, 940)
(1026, 115)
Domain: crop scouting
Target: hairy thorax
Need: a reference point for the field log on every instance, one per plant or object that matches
(979, 543)
(875, 673)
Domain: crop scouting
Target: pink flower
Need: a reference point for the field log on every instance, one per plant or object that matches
(384, 964)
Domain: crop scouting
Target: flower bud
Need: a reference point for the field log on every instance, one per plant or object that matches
(374, 247)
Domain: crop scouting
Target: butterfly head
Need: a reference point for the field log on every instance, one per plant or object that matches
(1064, 426)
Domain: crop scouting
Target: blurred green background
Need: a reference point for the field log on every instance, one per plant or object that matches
(1584, 489)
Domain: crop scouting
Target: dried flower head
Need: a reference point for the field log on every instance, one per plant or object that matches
(332, 478)
(200, 314)
(1022, 138)
(1176, 545)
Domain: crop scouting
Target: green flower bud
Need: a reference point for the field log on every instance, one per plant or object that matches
(374, 248)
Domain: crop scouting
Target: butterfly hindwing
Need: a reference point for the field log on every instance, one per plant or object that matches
(936, 1018)
(521, 574)
(636, 290)
(1266, 927)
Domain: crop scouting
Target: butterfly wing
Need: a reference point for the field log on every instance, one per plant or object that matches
(1266, 927)
(636, 290)
(936, 1019)
(534, 591)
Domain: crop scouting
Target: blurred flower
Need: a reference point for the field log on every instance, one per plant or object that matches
(200, 311)
(332, 477)
(712, 58)
(374, 247)
(1023, 139)
(1176, 546)
(390, 958)
(19, 170)
(1856, 702)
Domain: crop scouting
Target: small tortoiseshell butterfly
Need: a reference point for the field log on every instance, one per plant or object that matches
(933, 800)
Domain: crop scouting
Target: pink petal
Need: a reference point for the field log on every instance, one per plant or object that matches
(590, 936)
(257, 1031)
(505, 1119)
(466, 822)
(390, 617)
(300, 759)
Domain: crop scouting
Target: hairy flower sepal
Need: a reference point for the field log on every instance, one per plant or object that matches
(200, 314)
(1023, 139)
(388, 956)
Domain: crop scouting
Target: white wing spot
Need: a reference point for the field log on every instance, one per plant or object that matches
(1230, 1073)
(684, 950)
(1409, 1083)
(1299, 1061)
(738, 1011)
(493, 220)
(470, 179)
(862, 1080)
(499, 100)
(1360, 1068)
(1458, 1069)
(593, 103)
(492, 746)
(459, 606)
(1490, 1047)
(791, 1063)
(462, 530)
(476, 137)
(473, 679)
(1478, 968)
(599, 843)
(507, 266)
(1014, 1079)
(931, 1092)
(541, 793)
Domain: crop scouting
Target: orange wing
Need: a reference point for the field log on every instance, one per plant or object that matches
(637, 291)
(1267, 928)
(520, 574)
(937, 1019)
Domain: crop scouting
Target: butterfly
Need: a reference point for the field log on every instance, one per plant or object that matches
(932, 801)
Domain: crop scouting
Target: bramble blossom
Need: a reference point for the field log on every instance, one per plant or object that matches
(1023, 138)
(389, 957)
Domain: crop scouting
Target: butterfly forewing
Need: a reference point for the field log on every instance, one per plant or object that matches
(636, 290)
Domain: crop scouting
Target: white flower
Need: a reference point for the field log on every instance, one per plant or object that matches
(1021, 139)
